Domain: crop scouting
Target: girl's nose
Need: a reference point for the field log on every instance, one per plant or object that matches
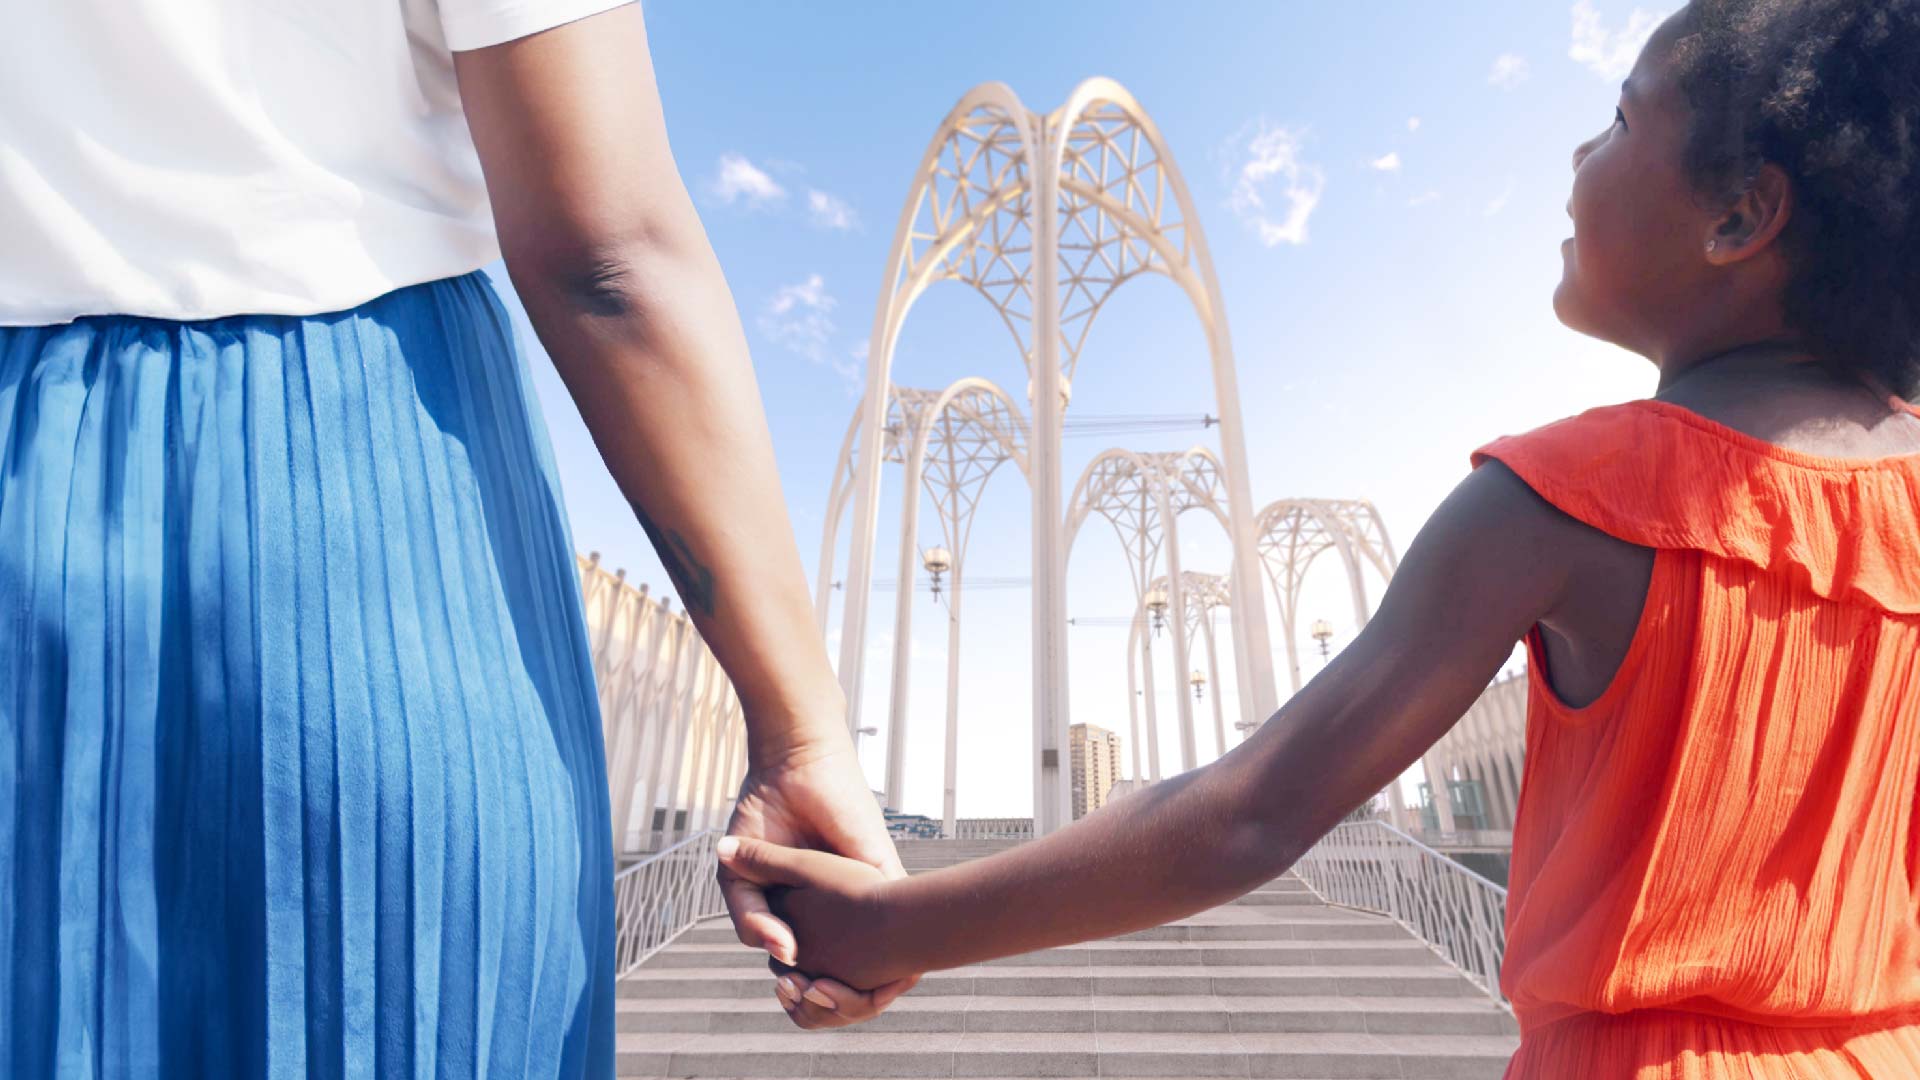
(1580, 152)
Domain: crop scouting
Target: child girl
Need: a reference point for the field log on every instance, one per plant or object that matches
(1716, 861)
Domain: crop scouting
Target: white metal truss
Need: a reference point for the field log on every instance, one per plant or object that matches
(1295, 532)
(676, 743)
(1089, 194)
(951, 442)
(1142, 495)
(1205, 594)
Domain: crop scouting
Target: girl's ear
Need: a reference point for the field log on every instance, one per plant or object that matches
(1754, 221)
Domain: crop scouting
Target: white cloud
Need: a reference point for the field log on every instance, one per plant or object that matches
(739, 180)
(1274, 192)
(829, 212)
(1610, 54)
(1501, 200)
(1389, 163)
(853, 369)
(1509, 71)
(800, 317)
(1424, 198)
(1413, 123)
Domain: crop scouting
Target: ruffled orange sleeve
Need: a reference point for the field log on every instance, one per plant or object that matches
(1661, 476)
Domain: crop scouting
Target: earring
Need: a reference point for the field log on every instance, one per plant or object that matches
(1713, 245)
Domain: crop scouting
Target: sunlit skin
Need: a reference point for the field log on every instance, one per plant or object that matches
(1690, 282)
(608, 254)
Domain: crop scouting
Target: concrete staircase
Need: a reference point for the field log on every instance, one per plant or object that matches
(1274, 984)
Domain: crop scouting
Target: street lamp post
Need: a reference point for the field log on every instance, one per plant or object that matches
(937, 560)
(1156, 604)
(1323, 633)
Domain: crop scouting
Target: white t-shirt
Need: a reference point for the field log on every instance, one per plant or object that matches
(189, 159)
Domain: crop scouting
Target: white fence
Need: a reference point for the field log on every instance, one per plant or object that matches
(1375, 867)
(676, 746)
(662, 895)
(992, 829)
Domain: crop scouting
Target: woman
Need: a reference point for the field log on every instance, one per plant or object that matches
(300, 760)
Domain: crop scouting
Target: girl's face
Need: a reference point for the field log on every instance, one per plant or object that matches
(1636, 266)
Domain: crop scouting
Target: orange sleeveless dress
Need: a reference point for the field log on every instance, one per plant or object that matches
(1716, 864)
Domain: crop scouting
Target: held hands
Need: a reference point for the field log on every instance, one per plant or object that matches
(834, 906)
(808, 800)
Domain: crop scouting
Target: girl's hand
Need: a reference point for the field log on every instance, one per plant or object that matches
(808, 799)
(835, 909)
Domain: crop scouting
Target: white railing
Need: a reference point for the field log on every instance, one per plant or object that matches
(993, 829)
(658, 898)
(676, 744)
(1375, 867)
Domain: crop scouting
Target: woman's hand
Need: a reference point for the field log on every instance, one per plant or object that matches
(809, 797)
(834, 906)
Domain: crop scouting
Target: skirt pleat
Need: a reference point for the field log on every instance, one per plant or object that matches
(301, 771)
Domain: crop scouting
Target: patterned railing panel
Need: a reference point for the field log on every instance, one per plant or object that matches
(675, 741)
(1375, 867)
(993, 829)
(661, 896)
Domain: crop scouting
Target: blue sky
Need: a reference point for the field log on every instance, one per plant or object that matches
(1389, 294)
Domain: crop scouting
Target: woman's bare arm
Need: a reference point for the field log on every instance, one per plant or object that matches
(1490, 563)
(607, 252)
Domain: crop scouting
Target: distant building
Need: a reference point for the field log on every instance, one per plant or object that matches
(1095, 754)
(1482, 758)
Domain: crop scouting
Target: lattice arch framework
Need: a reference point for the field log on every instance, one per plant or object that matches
(1089, 194)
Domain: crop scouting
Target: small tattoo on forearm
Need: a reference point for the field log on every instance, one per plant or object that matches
(694, 581)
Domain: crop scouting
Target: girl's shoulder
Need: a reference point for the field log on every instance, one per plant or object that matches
(1659, 475)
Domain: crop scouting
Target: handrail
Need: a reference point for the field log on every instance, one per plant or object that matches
(660, 897)
(1372, 866)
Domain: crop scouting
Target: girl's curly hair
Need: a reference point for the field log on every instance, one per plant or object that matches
(1829, 91)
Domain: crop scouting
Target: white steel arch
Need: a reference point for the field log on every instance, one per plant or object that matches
(972, 428)
(1142, 495)
(1090, 195)
(1206, 593)
(1295, 532)
(951, 442)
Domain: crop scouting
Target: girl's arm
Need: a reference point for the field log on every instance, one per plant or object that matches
(1490, 563)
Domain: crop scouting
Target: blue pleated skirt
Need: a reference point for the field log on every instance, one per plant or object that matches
(301, 771)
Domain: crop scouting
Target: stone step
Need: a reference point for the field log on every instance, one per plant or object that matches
(860, 1053)
(1301, 980)
(1285, 884)
(912, 1013)
(1287, 924)
(1103, 954)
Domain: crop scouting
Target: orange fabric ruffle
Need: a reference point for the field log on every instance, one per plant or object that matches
(1660, 476)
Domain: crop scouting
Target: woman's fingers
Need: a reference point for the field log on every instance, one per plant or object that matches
(824, 1003)
(754, 923)
(764, 864)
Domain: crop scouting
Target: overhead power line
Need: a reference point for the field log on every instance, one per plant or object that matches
(1089, 426)
(968, 584)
